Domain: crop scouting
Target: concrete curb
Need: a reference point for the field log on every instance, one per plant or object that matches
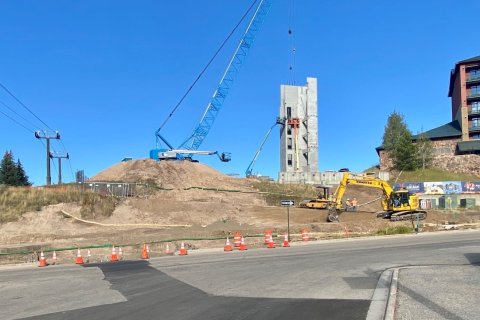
(380, 298)
(392, 297)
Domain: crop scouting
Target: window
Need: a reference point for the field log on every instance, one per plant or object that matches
(475, 106)
(289, 160)
(289, 143)
(474, 90)
(475, 136)
(475, 123)
(474, 74)
(289, 130)
(289, 112)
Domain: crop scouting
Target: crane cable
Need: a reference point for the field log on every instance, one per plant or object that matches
(208, 64)
(291, 35)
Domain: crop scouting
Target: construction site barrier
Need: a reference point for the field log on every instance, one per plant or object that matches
(110, 245)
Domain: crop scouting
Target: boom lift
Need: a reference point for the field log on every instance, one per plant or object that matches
(397, 205)
(249, 171)
(190, 146)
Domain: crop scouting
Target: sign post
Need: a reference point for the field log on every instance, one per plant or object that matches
(288, 204)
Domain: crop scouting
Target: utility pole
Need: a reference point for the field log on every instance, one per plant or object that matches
(44, 135)
(59, 157)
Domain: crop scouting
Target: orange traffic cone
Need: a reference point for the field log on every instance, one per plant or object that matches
(227, 247)
(243, 246)
(79, 259)
(114, 256)
(271, 244)
(268, 236)
(167, 249)
(237, 239)
(42, 262)
(285, 241)
(305, 235)
(145, 252)
(54, 257)
(183, 251)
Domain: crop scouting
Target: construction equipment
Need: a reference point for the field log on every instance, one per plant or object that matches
(193, 142)
(397, 204)
(321, 202)
(249, 171)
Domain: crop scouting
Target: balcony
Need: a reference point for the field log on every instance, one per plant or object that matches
(474, 128)
(473, 95)
(472, 78)
(474, 111)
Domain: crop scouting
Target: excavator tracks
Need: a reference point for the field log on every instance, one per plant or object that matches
(403, 215)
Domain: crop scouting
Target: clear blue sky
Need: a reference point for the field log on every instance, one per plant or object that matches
(107, 73)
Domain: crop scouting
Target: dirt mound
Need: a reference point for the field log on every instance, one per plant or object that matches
(168, 174)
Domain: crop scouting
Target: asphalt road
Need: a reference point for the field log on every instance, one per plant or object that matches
(322, 280)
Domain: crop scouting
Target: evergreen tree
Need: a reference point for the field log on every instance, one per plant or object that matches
(21, 175)
(11, 173)
(8, 170)
(405, 153)
(424, 151)
(397, 142)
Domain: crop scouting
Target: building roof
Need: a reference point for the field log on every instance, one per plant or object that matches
(466, 146)
(454, 71)
(448, 130)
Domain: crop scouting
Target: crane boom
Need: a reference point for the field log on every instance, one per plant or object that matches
(216, 102)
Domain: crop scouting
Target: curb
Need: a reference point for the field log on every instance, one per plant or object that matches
(380, 298)
(392, 297)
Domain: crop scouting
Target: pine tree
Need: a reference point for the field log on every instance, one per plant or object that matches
(21, 175)
(8, 170)
(405, 153)
(397, 142)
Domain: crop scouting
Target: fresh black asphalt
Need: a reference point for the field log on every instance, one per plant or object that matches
(152, 294)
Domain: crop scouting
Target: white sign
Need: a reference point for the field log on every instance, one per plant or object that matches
(287, 203)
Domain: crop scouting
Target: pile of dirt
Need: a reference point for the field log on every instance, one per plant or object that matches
(168, 174)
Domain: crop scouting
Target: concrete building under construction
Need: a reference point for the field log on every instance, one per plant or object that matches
(299, 135)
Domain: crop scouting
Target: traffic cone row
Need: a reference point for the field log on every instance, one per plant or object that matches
(238, 238)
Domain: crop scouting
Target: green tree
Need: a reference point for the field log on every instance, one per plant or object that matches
(424, 151)
(8, 170)
(405, 153)
(11, 173)
(21, 175)
(397, 142)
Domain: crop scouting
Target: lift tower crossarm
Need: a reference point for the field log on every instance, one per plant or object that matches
(206, 122)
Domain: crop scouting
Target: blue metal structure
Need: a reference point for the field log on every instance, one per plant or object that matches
(249, 171)
(199, 134)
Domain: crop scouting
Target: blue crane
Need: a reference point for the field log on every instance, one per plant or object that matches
(199, 134)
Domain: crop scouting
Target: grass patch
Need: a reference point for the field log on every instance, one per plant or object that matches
(275, 192)
(15, 201)
(395, 230)
(430, 175)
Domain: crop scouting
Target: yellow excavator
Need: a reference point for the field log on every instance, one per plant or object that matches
(397, 204)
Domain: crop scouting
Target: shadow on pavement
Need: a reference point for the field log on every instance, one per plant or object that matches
(473, 258)
(152, 294)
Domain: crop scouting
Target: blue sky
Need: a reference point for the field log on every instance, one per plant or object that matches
(107, 73)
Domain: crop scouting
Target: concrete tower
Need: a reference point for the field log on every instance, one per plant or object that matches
(299, 135)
